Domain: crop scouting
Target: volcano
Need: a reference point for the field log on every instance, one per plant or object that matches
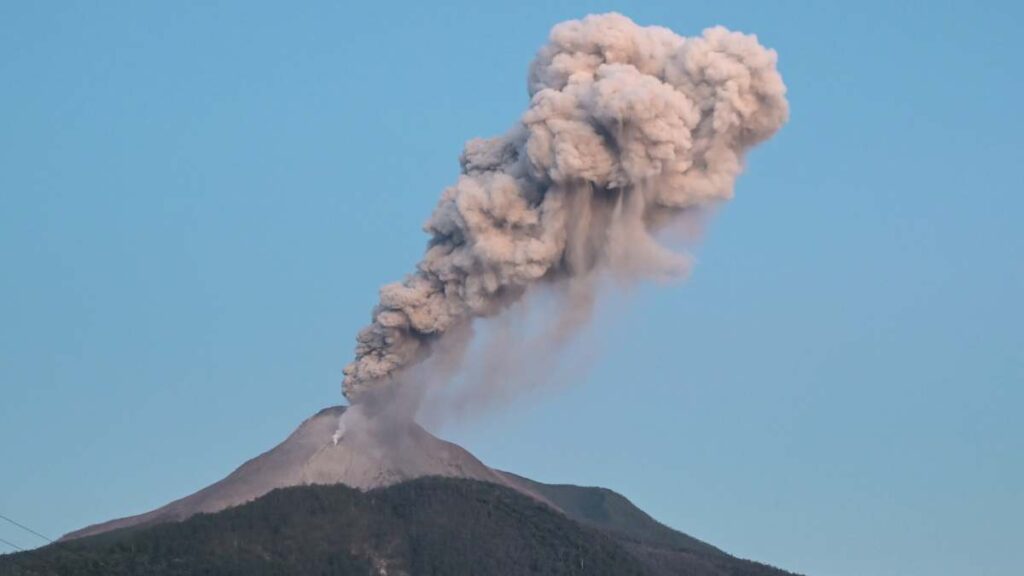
(284, 488)
(314, 454)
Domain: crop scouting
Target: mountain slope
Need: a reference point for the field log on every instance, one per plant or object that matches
(663, 550)
(424, 526)
(613, 512)
(310, 455)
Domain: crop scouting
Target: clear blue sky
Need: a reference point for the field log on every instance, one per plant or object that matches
(198, 203)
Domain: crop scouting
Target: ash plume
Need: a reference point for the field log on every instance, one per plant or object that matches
(628, 127)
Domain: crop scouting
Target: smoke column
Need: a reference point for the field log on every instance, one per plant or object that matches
(627, 128)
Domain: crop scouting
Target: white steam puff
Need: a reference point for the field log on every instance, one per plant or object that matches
(627, 126)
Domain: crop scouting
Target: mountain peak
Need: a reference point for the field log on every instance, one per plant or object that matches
(315, 454)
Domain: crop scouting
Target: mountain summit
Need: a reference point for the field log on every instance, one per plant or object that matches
(315, 454)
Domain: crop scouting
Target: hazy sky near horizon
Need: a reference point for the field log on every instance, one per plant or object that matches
(198, 203)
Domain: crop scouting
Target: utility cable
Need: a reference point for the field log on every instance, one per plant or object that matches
(12, 545)
(26, 528)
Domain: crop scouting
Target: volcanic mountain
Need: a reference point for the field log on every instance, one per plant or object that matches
(419, 505)
(314, 454)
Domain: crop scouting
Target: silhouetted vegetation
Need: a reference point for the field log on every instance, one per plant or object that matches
(429, 526)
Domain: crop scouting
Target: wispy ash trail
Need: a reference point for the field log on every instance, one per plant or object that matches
(627, 128)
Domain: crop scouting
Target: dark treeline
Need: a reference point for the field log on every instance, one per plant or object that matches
(428, 526)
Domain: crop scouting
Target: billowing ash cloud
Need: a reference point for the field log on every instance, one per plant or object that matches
(627, 127)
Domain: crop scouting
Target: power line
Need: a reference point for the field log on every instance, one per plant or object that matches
(26, 528)
(44, 537)
(15, 546)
